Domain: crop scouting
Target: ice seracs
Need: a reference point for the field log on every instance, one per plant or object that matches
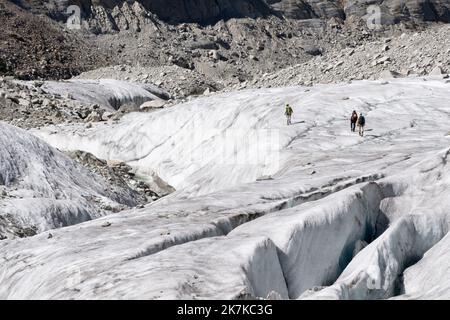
(428, 278)
(419, 219)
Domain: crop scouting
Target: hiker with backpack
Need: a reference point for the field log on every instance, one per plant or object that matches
(361, 124)
(353, 120)
(288, 113)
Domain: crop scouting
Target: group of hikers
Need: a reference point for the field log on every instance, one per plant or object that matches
(355, 120)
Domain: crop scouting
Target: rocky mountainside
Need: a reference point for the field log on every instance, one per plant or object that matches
(118, 15)
(34, 46)
(408, 54)
(209, 12)
(220, 41)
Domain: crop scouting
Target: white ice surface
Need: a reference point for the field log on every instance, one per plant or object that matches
(45, 188)
(225, 235)
(223, 141)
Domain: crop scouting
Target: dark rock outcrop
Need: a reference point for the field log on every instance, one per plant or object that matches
(392, 10)
(180, 11)
(308, 9)
(209, 11)
(400, 10)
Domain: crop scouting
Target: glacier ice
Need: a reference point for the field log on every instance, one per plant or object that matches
(45, 189)
(107, 93)
(341, 217)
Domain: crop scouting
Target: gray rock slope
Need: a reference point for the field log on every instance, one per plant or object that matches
(207, 11)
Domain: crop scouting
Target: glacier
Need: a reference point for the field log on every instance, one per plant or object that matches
(43, 189)
(261, 209)
(110, 94)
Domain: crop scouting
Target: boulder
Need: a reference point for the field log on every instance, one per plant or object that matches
(437, 71)
(389, 74)
(94, 116)
(203, 44)
(128, 107)
(312, 50)
(154, 104)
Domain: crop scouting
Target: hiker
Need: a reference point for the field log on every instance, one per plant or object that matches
(353, 120)
(361, 124)
(288, 114)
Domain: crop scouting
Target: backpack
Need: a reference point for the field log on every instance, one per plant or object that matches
(362, 120)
